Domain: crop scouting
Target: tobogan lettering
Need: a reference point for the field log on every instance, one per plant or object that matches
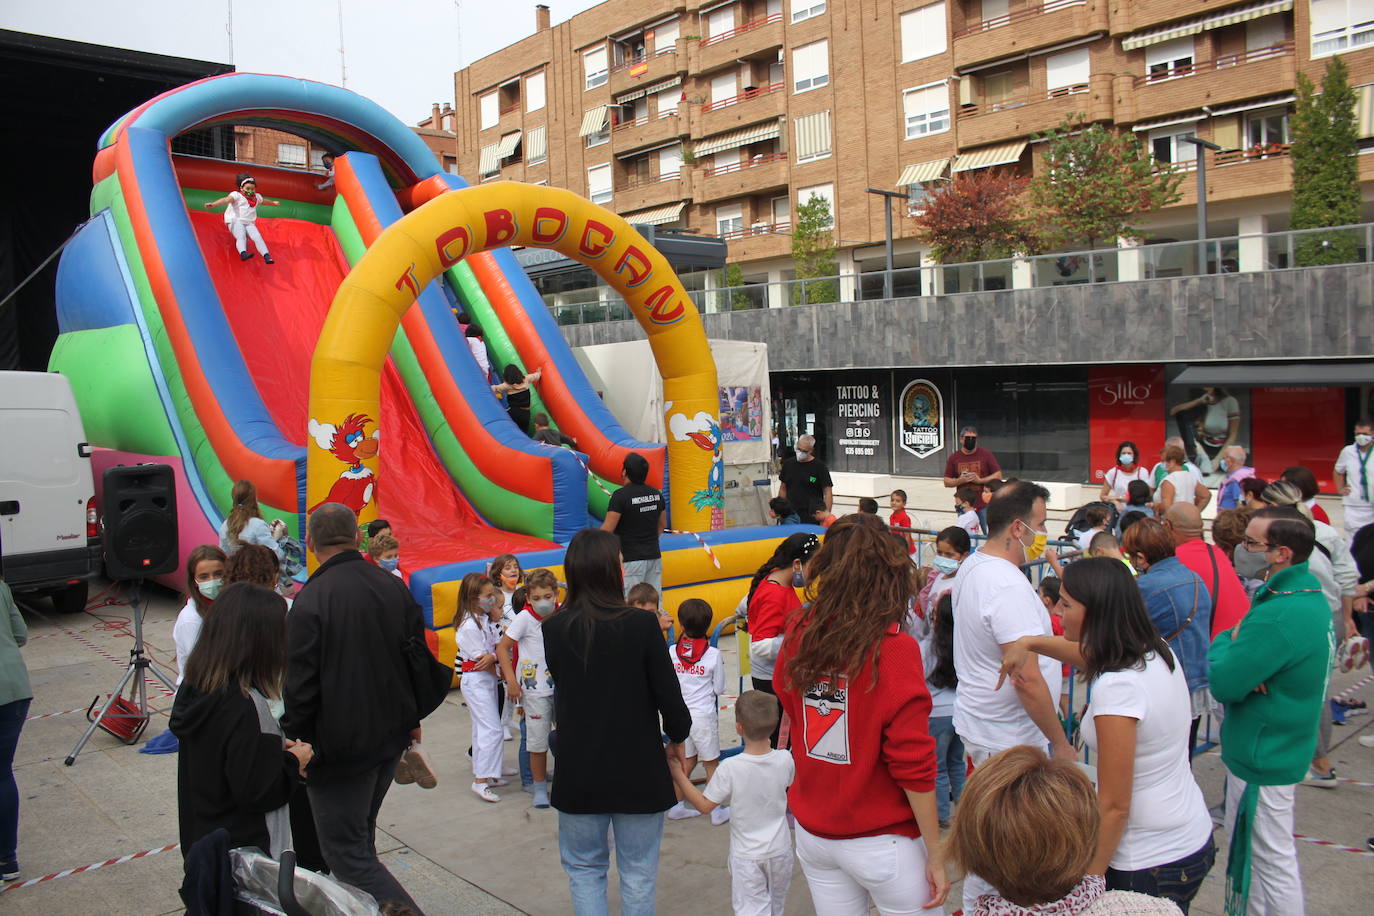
(407, 280)
(549, 225)
(501, 227)
(637, 264)
(662, 307)
(591, 249)
(453, 245)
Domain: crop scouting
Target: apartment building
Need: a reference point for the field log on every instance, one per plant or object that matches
(267, 146)
(721, 117)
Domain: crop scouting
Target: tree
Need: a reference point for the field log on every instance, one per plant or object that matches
(813, 252)
(1096, 181)
(1326, 183)
(733, 278)
(978, 216)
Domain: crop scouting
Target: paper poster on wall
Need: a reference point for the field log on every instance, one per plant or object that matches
(922, 418)
(741, 413)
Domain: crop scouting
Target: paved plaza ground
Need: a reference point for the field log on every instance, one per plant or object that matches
(454, 853)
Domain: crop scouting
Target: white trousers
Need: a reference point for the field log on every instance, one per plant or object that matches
(758, 887)
(1275, 883)
(480, 695)
(1356, 517)
(240, 229)
(847, 876)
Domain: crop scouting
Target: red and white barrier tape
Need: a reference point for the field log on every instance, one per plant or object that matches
(1355, 782)
(1331, 845)
(67, 873)
(704, 546)
(1345, 694)
(591, 475)
(122, 662)
(49, 715)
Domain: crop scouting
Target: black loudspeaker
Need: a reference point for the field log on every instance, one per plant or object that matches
(140, 514)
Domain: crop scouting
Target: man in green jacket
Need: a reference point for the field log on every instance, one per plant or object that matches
(1270, 671)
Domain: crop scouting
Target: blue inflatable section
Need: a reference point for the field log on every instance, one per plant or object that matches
(91, 291)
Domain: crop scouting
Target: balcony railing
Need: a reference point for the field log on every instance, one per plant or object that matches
(747, 27)
(629, 62)
(1020, 101)
(997, 21)
(643, 181)
(757, 229)
(745, 164)
(1233, 156)
(1221, 63)
(744, 96)
(507, 109)
(637, 122)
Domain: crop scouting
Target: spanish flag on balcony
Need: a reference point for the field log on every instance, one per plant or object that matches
(640, 68)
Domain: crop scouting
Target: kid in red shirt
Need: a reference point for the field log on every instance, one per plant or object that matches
(899, 518)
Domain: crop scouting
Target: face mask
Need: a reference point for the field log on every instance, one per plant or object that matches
(1125, 459)
(1363, 439)
(945, 565)
(510, 579)
(798, 579)
(958, 509)
(1037, 546)
(1250, 565)
(489, 603)
(544, 606)
(803, 455)
(390, 565)
(969, 443)
(210, 588)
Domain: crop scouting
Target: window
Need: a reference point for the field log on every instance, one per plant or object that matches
(1169, 59)
(813, 136)
(811, 66)
(669, 163)
(594, 67)
(720, 21)
(724, 90)
(601, 136)
(926, 109)
(998, 89)
(726, 158)
(995, 13)
(1067, 72)
(291, 154)
(1340, 25)
(923, 32)
(534, 91)
(451, 165)
(667, 101)
(1169, 145)
(1264, 32)
(489, 109)
(729, 218)
(317, 159)
(665, 37)
(1265, 127)
(599, 183)
(824, 191)
(805, 9)
(782, 211)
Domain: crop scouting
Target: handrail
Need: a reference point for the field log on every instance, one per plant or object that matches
(1051, 6)
(637, 122)
(761, 229)
(749, 26)
(744, 96)
(1020, 101)
(631, 183)
(744, 164)
(1225, 62)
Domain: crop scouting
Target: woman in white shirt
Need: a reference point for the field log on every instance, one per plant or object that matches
(1116, 479)
(1178, 485)
(1156, 834)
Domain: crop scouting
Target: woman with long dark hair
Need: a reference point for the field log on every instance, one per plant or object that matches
(617, 696)
(244, 523)
(851, 681)
(772, 598)
(235, 770)
(1156, 834)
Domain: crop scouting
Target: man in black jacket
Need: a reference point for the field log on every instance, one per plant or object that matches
(348, 694)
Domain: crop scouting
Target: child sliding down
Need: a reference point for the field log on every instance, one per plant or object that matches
(241, 216)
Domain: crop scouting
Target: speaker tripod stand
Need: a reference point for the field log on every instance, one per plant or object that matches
(131, 717)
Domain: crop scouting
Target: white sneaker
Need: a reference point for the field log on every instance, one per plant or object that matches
(1366, 740)
(720, 815)
(681, 811)
(498, 782)
(509, 735)
(481, 790)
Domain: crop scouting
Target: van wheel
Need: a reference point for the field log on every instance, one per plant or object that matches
(70, 600)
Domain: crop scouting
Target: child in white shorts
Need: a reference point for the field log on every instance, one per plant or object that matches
(702, 678)
(528, 682)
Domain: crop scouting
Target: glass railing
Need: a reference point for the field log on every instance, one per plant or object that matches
(1230, 254)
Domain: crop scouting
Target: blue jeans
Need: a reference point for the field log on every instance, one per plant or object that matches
(1177, 881)
(12, 717)
(526, 774)
(949, 762)
(585, 851)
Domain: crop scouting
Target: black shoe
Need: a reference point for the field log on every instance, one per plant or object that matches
(1370, 843)
(267, 259)
(245, 255)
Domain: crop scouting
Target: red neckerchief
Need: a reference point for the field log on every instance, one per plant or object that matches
(690, 651)
(251, 198)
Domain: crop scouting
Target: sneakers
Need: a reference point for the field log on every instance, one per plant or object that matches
(482, 791)
(415, 767)
(1328, 781)
(245, 255)
(541, 795)
(9, 871)
(1366, 740)
(498, 782)
(509, 735)
(267, 259)
(507, 771)
(720, 815)
(1354, 653)
(681, 811)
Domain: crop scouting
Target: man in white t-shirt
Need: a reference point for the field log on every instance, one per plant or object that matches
(995, 605)
(1355, 479)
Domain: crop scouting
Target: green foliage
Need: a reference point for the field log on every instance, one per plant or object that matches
(732, 277)
(1326, 185)
(813, 252)
(1096, 181)
(980, 215)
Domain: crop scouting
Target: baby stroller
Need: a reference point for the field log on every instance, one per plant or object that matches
(247, 882)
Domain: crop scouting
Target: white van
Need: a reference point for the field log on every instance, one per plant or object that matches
(49, 525)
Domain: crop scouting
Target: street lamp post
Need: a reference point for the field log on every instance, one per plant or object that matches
(1201, 146)
(887, 234)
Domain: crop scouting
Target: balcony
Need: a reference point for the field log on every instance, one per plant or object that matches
(640, 193)
(645, 69)
(1020, 116)
(631, 135)
(752, 176)
(1034, 26)
(1210, 82)
(749, 106)
(745, 41)
(764, 240)
(1132, 17)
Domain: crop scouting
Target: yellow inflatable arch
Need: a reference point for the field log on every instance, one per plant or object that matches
(345, 370)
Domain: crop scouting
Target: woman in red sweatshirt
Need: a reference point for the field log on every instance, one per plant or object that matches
(852, 684)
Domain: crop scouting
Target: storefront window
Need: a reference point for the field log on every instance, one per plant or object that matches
(1035, 420)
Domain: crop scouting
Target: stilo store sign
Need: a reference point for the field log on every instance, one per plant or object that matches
(922, 411)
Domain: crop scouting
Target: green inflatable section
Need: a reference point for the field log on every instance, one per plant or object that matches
(112, 381)
(513, 511)
(196, 199)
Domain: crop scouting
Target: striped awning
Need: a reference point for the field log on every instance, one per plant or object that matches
(537, 144)
(1168, 122)
(656, 216)
(988, 156)
(648, 90)
(1195, 26)
(922, 172)
(1266, 102)
(1364, 111)
(595, 120)
(737, 138)
(489, 163)
(507, 145)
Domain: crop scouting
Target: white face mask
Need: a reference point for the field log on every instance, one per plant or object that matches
(1363, 439)
(1125, 459)
(803, 454)
(544, 606)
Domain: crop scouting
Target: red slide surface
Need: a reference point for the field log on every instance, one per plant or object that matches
(276, 312)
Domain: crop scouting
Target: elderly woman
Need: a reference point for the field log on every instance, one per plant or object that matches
(1179, 483)
(1021, 793)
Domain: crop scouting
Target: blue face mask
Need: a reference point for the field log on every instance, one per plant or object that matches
(390, 565)
(798, 580)
(945, 565)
